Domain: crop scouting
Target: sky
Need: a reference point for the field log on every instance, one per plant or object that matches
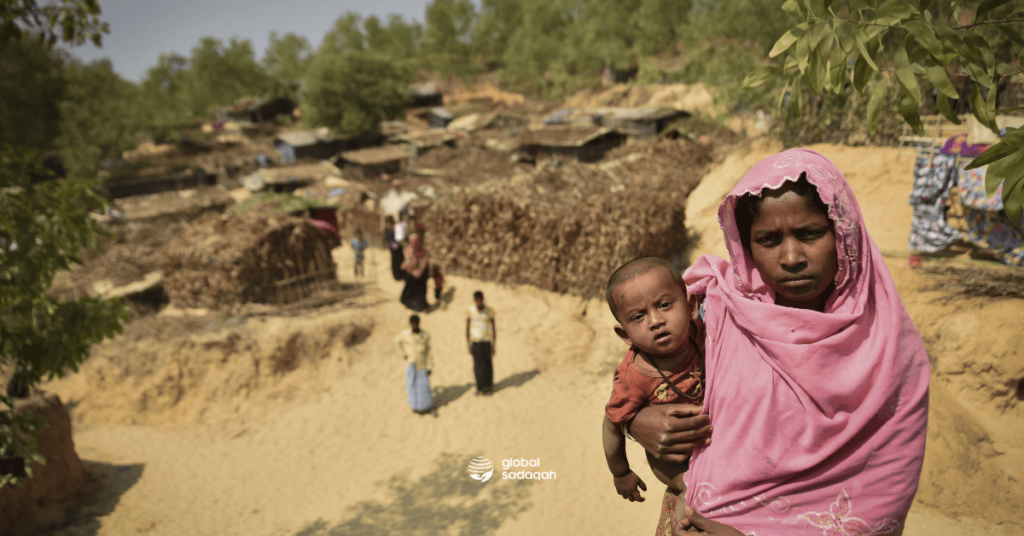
(141, 30)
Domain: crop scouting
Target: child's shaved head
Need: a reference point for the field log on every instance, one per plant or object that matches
(632, 270)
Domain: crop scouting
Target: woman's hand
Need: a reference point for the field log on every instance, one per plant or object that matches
(711, 527)
(671, 431)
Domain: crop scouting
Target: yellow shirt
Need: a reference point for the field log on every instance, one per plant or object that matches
(415, 347)
(480, 324)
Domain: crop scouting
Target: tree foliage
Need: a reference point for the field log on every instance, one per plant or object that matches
(100, 114)
(902, 43)
(286, 59)
(31, 83)
(352, 92)
(43, 227)
(69, 21)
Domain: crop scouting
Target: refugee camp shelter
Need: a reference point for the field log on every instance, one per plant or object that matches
(636, 122)
(308, 144)
(259, 110)
(423, 141)
(289, 177)
(584, 143)
(441, 116)
(376, 161)
(425, 95)
(116, 188)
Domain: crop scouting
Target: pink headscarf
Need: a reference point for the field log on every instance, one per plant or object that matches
(819, 417)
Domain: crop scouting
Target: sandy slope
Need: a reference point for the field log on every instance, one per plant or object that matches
(331, 448)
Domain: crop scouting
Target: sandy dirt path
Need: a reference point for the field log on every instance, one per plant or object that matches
(346, 456)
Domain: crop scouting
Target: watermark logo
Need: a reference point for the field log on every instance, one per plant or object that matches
(481, 469)
(525, 473)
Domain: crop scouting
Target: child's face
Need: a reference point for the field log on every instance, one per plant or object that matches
(653, 313)
(479, 303)
(794, 249)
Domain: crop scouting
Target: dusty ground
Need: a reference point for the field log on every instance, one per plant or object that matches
(188, 435)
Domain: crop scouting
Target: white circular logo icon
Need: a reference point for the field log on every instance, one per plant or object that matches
(481, 469)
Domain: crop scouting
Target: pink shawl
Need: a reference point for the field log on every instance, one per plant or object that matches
(819, 418)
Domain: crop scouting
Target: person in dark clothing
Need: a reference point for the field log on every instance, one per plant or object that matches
(417, 262)
(397, 257)
(481, 336)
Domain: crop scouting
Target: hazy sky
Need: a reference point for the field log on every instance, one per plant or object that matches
(141, 30)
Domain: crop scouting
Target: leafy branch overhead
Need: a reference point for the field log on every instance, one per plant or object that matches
(870, 45)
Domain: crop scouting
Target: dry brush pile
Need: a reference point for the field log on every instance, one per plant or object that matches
(566, 228)
(223, 260)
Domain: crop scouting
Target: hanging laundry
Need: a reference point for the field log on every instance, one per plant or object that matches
(933, 178)
(972, 189)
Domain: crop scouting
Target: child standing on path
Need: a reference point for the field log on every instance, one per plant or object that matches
(664, 364)
(481, 335)
(359, 246)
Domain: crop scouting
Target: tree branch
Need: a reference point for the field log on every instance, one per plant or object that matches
(955, 28)
(969, 26)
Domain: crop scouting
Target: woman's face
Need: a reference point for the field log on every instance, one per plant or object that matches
(794, 249)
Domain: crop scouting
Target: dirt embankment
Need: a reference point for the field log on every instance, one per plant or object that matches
(204, 369)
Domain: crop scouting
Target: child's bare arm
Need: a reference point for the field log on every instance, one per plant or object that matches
(626, 481)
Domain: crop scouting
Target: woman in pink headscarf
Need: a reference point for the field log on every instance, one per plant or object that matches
(817, 378)
(417, 260)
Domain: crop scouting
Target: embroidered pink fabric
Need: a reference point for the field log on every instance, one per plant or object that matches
(819, 417)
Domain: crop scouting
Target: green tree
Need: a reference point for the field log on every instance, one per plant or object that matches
(222, 74)
(287, 58)
(902, 44)
(167, 90)
(658, 24)
(496, 24)
(539, 54)
(70, 21)
(448, 43)
(31, 84)
(346, 36)
(352, 92)
(43, 228)
(398, 40)
(101, 114)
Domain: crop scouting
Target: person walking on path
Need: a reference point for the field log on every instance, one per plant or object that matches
(414, 344)
(359, 247)
(481, 336)
(395, 246)
(417, 261)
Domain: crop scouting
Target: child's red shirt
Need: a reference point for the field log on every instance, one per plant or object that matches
(638, 384)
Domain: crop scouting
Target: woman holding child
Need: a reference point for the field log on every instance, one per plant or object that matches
(816, 378)
(417, 260)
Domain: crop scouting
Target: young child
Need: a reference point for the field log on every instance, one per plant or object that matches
(435, 271)
(664, 364)
(359, 245)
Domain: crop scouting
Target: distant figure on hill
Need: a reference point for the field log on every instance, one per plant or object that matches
(394, 246)
(359, 246)
(414, 344)
(417, 261)
(481, 336)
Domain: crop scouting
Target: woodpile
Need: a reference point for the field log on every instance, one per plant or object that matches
(223, 260)
(566, 227)
(566, 248)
